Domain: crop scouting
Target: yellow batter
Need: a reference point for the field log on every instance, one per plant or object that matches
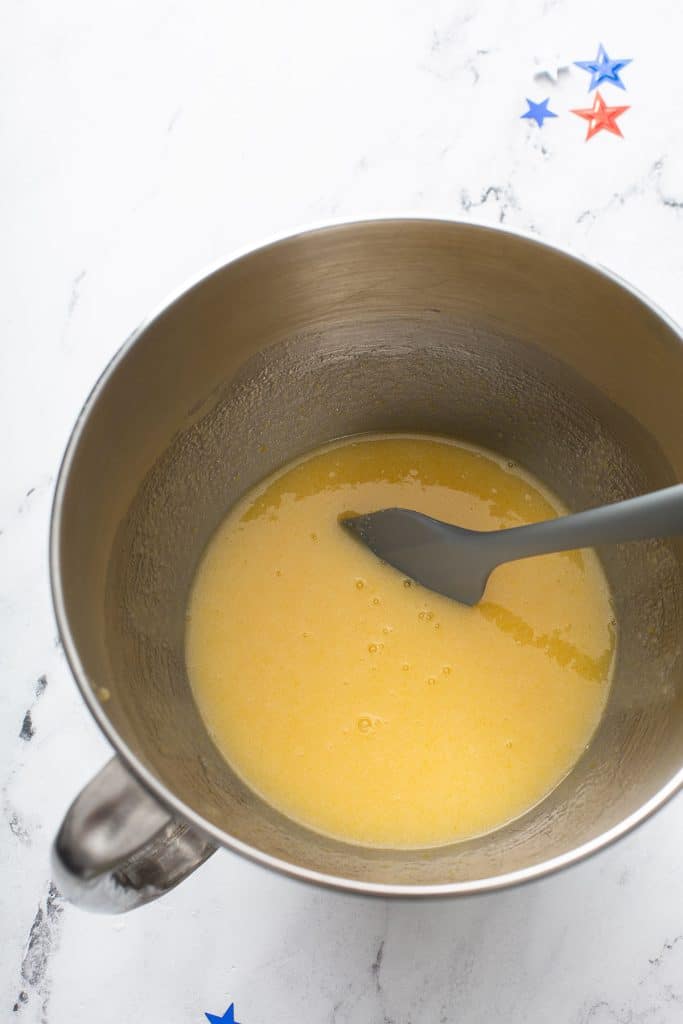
(367, 707)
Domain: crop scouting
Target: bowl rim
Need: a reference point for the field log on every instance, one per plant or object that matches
(155, 786)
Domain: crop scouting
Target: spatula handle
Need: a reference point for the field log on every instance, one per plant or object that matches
(659, 514)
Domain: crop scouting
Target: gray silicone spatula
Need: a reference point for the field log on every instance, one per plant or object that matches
(458, 562)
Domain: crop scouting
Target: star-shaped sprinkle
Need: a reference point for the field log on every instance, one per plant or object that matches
(551, 67)
(602, 69)
(538, 112)
(552, 74)
(227, 1018)
(601, 117)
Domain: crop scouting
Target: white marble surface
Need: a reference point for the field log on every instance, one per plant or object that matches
(142, 141)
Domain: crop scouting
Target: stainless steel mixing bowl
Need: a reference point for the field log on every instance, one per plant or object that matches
(384, 325)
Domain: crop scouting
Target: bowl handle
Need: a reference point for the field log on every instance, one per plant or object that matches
(118, 848)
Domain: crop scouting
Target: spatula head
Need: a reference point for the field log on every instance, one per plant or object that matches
(442, 557)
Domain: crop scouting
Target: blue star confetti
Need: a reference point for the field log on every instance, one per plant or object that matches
(538, 112)
(227, 1018)
(602, 69)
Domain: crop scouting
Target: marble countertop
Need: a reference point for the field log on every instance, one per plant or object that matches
(145, 141)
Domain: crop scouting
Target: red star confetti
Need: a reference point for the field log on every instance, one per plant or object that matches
(601, 117)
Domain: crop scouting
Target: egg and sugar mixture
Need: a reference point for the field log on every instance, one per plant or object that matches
(367, 707)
